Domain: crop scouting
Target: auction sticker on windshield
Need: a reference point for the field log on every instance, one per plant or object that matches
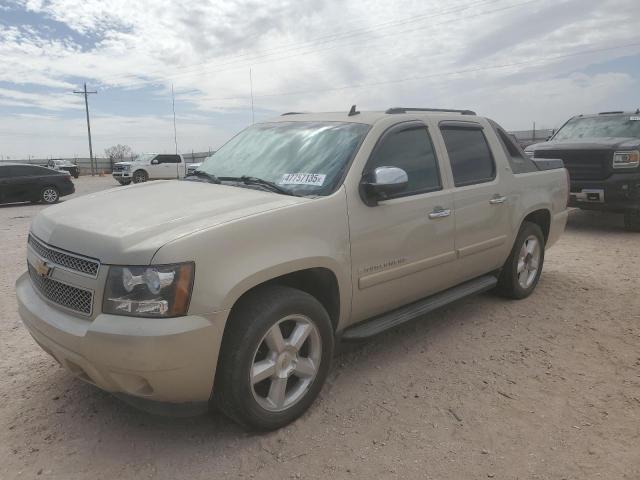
(316, 179)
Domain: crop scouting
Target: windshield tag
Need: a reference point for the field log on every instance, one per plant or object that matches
(634, 118)
(316, 179)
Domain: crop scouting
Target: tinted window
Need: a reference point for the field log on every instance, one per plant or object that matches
(32, 171)
(410, 149)
(4, 171)
(168, 159)
(470, 156)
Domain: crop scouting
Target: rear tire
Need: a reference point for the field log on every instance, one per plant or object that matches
(140, 176)
(49, 195)
(522, 270)
(265, 378)
(632, 220)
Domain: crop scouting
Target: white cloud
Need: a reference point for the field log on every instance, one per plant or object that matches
(320, 46)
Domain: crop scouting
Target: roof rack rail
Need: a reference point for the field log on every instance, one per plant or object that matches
(608, 113)
(396, 110)
(291, 113)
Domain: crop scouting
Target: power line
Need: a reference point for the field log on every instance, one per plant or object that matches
(306, 48)
(86, 106)
(437, 74)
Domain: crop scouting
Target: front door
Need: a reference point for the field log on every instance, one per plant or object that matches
(403, 248)
(482, 207)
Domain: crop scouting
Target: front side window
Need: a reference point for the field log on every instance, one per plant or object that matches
(410, 149)
(620, 126)
(303, 158)
(469, 154)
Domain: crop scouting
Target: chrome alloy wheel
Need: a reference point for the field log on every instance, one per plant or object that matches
(528, 261)
(285, 363)
(50, 195)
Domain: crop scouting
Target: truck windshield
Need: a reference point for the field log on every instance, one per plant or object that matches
(144, 157)
(304, 158)
(621, 126)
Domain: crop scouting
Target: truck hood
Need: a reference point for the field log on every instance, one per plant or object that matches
(600, 143)
(127, 225)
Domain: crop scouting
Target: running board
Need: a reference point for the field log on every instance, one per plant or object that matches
(379, 324)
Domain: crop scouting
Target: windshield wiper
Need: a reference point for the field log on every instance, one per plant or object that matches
(247, 180)
(203, 174)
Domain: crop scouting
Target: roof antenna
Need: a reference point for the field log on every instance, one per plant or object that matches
(353, 111)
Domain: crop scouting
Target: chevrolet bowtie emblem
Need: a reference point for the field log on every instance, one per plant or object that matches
(42, 268)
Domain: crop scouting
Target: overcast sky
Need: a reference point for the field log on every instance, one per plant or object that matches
(515, 61)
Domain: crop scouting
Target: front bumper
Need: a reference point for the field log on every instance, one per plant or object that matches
(122, 175)
(619, 192)
(166, 360)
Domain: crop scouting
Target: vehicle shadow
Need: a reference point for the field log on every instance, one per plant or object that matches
(594, 221)
(79, 417)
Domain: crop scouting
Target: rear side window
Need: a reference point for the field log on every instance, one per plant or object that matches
(168, 159)
(409, 148)
(25, 171)
(469, 154)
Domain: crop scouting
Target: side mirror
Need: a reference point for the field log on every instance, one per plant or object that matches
(381, 183)
(154, 161)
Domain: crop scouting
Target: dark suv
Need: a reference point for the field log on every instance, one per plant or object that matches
(602, 154)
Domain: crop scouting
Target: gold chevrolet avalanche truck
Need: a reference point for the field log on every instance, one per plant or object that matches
(232, 286)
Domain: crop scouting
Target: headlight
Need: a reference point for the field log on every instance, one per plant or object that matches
(529, 153)
(153, 291)
(626, 159)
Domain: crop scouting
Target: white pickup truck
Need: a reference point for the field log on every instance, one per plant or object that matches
(300, 231)
(149, 166)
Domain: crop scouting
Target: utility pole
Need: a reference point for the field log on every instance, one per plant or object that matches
(251, 86)
(86, 106)
(534, 131)
(173, 104)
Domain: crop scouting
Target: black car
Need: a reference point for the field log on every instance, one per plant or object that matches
(602, 154)
(32, 183)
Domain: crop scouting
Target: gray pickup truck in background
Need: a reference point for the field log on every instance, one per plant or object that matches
(302, 230)
(602, 154)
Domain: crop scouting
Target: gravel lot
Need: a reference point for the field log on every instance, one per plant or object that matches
(547, 387)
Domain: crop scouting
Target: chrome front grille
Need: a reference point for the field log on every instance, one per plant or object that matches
(73, 298)
(67, 260)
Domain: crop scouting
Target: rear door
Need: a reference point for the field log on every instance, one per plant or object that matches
(482, 208)
(403, 248)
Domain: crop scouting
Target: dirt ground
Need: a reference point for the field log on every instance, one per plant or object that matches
(544, 388)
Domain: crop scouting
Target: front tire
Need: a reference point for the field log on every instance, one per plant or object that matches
(522, 270)
(140, 176)
(49, 195)
(275, 357)
(632, 220)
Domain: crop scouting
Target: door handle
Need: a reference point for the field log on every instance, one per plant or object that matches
(497, 200)
(440, 212)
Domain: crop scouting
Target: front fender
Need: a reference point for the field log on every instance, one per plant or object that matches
(234, 257)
